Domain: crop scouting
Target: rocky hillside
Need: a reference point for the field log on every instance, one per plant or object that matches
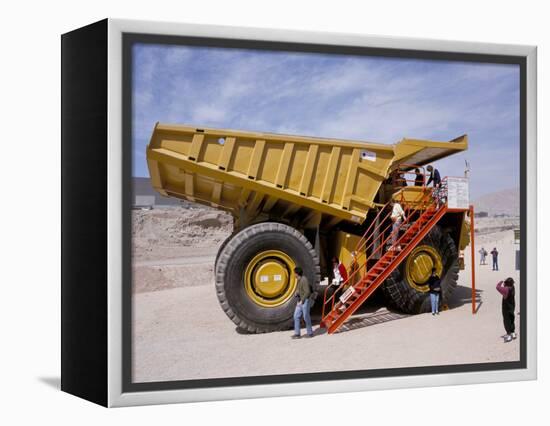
(169, 232)
(504, 202)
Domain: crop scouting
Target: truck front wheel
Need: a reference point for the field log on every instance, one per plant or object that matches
(407, 290)
(255, 281)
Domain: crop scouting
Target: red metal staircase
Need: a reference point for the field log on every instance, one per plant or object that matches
(384, 258)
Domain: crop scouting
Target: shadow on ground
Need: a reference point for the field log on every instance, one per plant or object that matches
(363, 321)
(374, 311)
(463, 295)
(54, 382)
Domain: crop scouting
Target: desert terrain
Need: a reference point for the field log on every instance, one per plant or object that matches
(181, 333)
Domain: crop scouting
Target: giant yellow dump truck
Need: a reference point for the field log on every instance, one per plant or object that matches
(300, 201)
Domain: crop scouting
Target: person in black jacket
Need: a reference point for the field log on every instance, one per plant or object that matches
(419, 178)
(508, 292)
(434, 283)
(435, 177)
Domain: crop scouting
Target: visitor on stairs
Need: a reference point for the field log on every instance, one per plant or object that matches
(340, 276)
(397, 217)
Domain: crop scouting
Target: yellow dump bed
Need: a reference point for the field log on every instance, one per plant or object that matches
(282, 176)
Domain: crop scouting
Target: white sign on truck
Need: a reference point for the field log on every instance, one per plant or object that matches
(458, 193)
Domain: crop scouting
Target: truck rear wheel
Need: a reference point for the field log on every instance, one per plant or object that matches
(255, 281)
(407, 288)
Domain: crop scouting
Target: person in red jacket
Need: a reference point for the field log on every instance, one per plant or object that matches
(340, 276)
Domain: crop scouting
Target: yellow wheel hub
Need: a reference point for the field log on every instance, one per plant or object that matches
(269, 278)
(418, 267)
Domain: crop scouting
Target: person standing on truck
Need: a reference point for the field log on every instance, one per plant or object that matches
(494, 253)
(435, 177)
(419, 178)
(397, 217)
(434, 283)
(303, 305)
(402, 179)
(508, 292)
(397, 179)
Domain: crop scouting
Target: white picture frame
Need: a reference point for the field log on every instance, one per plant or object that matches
(117, 393)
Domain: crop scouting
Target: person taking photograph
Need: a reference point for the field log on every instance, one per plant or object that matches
(508, 292)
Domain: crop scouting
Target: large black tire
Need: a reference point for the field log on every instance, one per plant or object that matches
(230, 271)
(222, 246)
(402, 296)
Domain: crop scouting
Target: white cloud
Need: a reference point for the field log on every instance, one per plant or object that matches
(208, 114)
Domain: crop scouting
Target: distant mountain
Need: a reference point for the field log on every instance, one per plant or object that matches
(504, 202)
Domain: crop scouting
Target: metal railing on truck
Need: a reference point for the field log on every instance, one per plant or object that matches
(352, 292)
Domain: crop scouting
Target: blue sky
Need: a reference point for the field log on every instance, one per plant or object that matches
(337, 96)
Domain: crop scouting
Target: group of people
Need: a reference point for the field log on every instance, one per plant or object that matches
(419, 178)
(483, 257)
(507, 290)
(304, 293)
(398, 214)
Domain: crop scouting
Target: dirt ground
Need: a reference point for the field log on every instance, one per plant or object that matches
(181, 333)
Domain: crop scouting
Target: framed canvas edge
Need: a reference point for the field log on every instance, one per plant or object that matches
(116, 396)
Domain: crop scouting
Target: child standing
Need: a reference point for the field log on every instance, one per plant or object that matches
(508, 292)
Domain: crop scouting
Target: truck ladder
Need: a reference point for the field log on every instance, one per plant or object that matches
(418, 223)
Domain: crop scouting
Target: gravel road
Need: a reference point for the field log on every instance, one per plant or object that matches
(181, 333)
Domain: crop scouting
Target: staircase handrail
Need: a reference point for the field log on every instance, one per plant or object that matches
(435, 195)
